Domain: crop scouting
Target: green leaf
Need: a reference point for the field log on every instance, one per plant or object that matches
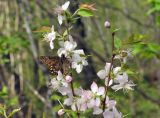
(85, 12)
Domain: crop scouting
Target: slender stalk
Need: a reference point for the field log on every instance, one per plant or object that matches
(73, 92)
(110, 69)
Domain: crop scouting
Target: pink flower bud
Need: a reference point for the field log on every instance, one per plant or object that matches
(107, 24)
(61, 112)
(68, 78)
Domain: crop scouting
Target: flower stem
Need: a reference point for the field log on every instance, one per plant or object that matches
(73, 92)
(110, 69)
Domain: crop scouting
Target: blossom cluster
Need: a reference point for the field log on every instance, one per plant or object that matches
(80, 99)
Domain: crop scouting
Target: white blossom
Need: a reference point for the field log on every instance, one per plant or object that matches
(50, 37)
(78, 60)
(63, 8)
(102, 74)
(67, 47)
(122, 82)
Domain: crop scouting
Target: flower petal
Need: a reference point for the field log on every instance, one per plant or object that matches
(94, 87)
(65, 5)
(101, 74)
(60, 19)
(51, 45)
(108, 114)
(101, 91)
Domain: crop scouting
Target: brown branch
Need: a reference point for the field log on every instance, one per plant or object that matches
(110, 69)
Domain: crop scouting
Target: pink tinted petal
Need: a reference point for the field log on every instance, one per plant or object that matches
(107, 100)
(108, 114)
(97, 102)
(91, 103)
(68, 78)
(111, 104)
(94, 87)
(101, 91)
(116, 113)
(61, 112)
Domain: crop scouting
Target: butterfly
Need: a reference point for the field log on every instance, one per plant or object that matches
(55, 64)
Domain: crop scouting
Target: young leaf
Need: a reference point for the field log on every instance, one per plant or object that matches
(85, 12)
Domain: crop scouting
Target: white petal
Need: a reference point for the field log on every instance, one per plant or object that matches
(61, 51)
(94, 87)
(51, 45)
(107, 68)
(60, 76)
(63, 90)
(110, 82)
(129, 86)
(60, 19)
(61, 43)
(116, 70)
(84, 62)
(74, 64)
(68, 46)
(79, 68)
(101, 74)
(65, 5)
(101, 91)
(117, 87)
(122, 78)
(80, 51)
(72, 41)
(73, 107)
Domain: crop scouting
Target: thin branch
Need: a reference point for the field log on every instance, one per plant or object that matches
(110, 69)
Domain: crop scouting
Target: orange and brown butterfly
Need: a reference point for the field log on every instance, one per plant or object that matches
(55, 64)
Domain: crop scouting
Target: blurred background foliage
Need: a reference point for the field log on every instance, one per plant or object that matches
(24, 83)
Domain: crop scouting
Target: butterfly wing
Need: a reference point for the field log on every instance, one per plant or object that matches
(66, 66)
(54, 64)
